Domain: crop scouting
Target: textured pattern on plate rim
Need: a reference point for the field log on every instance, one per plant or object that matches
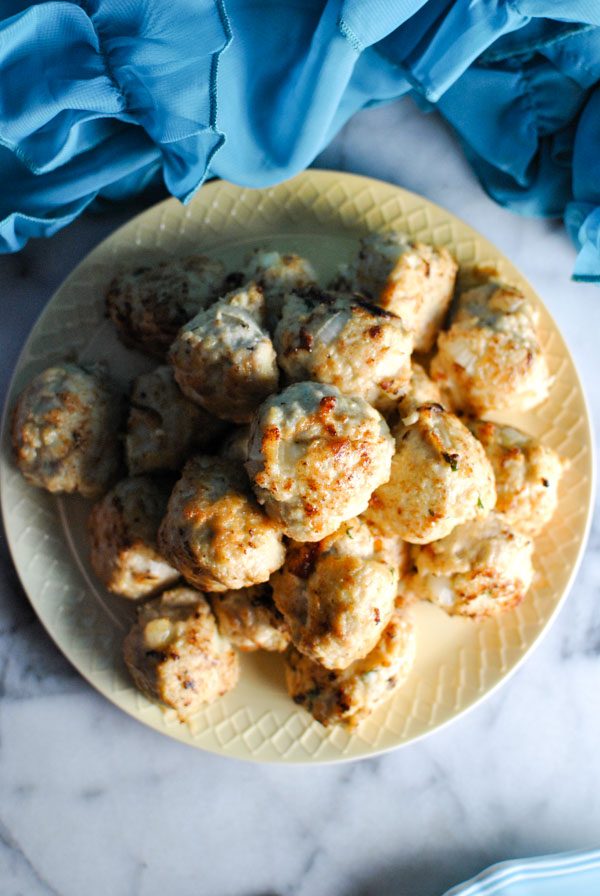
(458, 662)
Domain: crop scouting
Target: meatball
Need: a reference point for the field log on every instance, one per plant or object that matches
(412, 279)
(214, 532)
(150, 304)
(336, 595)
(250, 619)
(490, 358)
(315, 457)
(527, 474)
(482, 568)
(277, 275)
(175, 653)
(65, 430)
(123, 528)
(390, 548)
(419, 391)
(440, 478)
(340, 339)
(224, 361)
(164, 426)
(347, 697)
(235, 446)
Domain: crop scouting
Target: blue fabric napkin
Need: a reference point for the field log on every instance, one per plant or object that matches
(99, 98)
(565, 874)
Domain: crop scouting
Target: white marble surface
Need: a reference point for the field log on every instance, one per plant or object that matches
(92, 802)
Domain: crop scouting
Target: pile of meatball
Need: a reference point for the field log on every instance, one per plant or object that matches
(296, 479)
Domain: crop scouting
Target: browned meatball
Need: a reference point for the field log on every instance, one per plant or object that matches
(412, 279)
(214, 532)
(336, 595)
(527, 475)
(164, 426)
(346, 697)
(481, 569)
(123, 528)
(250, 619)
(315, 456)
(149, 304)
(343, 340)
(440, 478)
(419, 391)
(224, 360)
(277, 275)
(65, 430)
(175, 653)
(491, 358)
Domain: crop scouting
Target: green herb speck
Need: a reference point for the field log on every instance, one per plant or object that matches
(451, 459)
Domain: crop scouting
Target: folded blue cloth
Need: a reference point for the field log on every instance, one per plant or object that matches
(565, 874)
(99, 98)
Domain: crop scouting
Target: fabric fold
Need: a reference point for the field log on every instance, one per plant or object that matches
(74, 77)
(165, 58)
(583, 213)
(54, 80)
(100, 97)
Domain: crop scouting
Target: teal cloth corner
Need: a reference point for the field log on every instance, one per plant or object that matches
(100, 98)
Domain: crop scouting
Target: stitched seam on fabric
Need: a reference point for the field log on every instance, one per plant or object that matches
(489, 56)
(349, 35)
(214, 67)
(61, 220)
(406, 74)
(21, 155)
(110, 73)
(27, 160)
(213, 99)
(24, 157)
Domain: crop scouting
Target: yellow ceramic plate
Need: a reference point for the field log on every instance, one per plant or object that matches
(319, 214)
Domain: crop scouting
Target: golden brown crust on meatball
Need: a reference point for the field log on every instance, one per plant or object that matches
(123, 529)
(344, 340)
(412, 279)
(175, 653)
(420, 390)
(336, 595)
(214, 532)
(527, 475)
(391, 549)
(149, 304)
(164, 426)
(347, 697)
(315, 457)
(224, 360)
(65, 430)
(490, 358)
(250, 619)
(277, 274)
(481, 569)
(440, 478)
